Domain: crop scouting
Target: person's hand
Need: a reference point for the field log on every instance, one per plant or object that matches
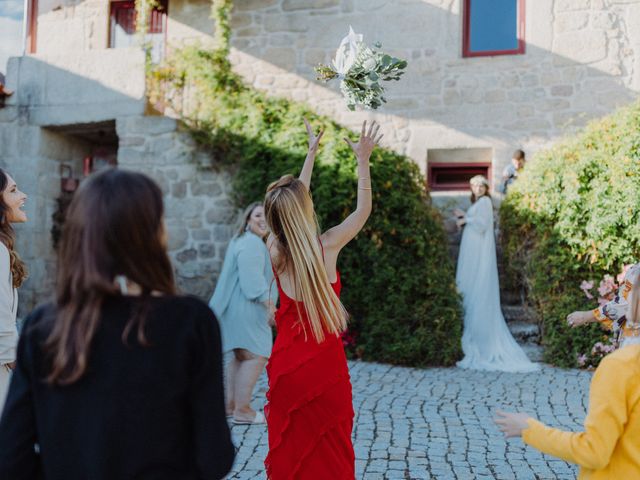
(576, 319)
(511, 424)
(314, 140)
(458, 213)
(460, 222)
(10, 365)
(367, 141)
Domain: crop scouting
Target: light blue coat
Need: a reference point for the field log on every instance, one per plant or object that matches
(246, 281)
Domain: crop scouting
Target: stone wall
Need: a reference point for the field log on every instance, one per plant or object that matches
(582, 61)
(60, 110)
(199, 213)
(79, 25)
(83, 87)
(189, 22)
(32, 155)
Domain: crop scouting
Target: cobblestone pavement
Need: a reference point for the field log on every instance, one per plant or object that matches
(437, 423)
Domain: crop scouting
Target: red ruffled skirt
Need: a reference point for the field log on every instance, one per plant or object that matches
(309, 403)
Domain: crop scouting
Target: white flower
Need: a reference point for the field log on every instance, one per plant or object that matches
(369, 64)
(361, 71)
(347, 51)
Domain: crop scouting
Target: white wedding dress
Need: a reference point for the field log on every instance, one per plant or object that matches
(486, 342)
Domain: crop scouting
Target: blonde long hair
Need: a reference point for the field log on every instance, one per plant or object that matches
(292, 221)
(246, 216)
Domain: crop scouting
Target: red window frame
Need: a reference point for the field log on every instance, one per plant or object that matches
(466, 33)
(157, 22)
(471, 169)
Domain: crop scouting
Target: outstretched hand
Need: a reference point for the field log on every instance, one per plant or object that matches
(314, 140)
(575, 319)
(367, 141)
(511, 424)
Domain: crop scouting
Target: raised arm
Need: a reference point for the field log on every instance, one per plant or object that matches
(338, 236)
(307, 168)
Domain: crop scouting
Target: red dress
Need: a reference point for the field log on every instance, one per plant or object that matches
(309, 405)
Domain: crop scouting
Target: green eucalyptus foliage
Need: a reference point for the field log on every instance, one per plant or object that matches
(575, 215)
(398, 280)
(362, 85)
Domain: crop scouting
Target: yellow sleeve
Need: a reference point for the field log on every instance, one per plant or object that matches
(603, 426)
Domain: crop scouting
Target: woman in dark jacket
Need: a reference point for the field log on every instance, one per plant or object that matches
(120, 378)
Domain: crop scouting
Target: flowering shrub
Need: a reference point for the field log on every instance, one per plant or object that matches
(573, 215)
(607, 288)
(598, 352)
(606, 291)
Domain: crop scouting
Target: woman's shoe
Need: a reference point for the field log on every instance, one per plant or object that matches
(258, 420)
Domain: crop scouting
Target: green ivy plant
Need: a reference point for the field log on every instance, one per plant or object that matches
(399, 280)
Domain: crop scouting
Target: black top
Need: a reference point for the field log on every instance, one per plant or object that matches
(143, 413)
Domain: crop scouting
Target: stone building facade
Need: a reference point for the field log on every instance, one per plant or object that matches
(82, 94)
(581, 61)
(92, 105)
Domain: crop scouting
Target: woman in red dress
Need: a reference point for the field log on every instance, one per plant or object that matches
(309, 410)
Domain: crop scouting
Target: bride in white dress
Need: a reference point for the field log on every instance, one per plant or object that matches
(486, 342)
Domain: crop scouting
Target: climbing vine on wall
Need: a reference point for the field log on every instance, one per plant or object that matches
(399, 280)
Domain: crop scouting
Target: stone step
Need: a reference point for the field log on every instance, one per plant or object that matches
(511, 298)
(519, 313)
(524, 332)
(534, 351)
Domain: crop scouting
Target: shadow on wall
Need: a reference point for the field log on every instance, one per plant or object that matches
(60, 109)
(40, 133)
(88, 86)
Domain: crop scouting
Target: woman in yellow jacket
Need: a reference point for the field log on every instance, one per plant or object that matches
(609, 447)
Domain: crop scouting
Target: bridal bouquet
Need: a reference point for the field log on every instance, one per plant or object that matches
(361, 69)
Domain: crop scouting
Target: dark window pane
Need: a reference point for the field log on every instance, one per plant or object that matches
(123, 27)
(493, 25)
(454, 177)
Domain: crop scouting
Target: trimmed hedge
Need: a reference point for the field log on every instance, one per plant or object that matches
(574, 215)
(399, 280)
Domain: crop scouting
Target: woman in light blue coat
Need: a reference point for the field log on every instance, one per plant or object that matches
(244, 301)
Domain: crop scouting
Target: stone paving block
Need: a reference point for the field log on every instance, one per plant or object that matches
(438, 423)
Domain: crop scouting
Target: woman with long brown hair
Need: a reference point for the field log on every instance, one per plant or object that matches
(119, 378)
(12, 274)
(310, 411)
